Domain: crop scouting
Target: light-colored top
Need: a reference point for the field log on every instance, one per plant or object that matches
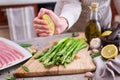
(72, 9)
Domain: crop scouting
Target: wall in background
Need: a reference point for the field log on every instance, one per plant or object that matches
(114, 11)
(47, 5)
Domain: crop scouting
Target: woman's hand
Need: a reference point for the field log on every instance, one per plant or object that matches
(41, 27)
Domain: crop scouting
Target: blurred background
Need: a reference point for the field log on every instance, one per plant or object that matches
(16, 17)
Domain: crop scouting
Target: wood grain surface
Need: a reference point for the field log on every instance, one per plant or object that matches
(83, 63)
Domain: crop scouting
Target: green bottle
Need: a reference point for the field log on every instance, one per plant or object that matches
(93, 29)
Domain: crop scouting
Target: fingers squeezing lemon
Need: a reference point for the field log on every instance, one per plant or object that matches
(49, 22)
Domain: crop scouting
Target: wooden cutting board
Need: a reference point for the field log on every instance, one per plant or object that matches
(81, 63)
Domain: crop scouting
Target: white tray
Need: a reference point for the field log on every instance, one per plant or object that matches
(26, 54)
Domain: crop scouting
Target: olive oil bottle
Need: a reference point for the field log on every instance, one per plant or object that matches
(92, 28)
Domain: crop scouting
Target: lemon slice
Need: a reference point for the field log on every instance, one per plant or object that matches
(49, 22)
(105, 33)
(109, 51)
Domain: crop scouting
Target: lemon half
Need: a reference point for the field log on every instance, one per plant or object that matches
(105, 33)
(49, 22)
(109, 51)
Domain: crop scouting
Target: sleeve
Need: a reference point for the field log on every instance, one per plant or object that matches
(69, 9)
(117, 5)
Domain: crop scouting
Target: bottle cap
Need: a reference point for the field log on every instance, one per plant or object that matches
(94, 6)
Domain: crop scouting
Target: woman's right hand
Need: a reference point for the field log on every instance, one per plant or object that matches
(41, 27)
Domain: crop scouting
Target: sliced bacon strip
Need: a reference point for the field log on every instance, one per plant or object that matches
(8, 54)
(13, 50)
(0, 63)
(3, 61)
(18, 53)
(11, 59)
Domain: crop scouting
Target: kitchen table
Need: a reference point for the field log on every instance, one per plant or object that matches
(41, 42)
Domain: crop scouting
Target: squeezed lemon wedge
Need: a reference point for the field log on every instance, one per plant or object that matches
(49, 22)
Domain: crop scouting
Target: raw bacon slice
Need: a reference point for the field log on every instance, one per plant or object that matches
(11, 59)
(8, 54)
(13, 50)
(4, 51)
(3, 61)
(9, 51)
(0, 63)
(16, 53)
(6, 58)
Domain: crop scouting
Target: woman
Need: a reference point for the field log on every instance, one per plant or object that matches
(67, 12)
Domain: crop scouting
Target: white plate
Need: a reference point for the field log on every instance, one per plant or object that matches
(26, 54)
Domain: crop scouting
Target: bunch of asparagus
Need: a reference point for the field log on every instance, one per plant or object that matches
(62, 52)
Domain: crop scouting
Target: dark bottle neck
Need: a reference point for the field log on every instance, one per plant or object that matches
(94, 15)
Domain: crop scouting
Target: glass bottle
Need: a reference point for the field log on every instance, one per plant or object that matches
(92, 28)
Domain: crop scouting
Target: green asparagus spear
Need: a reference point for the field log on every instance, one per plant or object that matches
(62, 52)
